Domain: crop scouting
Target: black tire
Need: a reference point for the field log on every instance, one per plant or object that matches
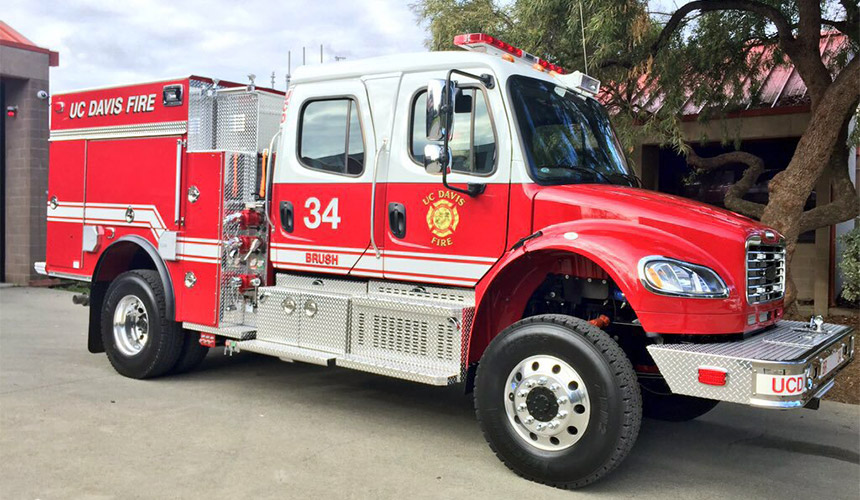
(659, 403)
(164, 337)
(192, 353)
(608, 377)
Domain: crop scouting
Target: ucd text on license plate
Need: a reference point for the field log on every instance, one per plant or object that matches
(831, 362)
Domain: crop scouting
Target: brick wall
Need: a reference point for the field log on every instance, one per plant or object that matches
(24, 73)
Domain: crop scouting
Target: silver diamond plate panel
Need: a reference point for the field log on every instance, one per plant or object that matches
(231, 119)
(201, 115)
(279, 316)
(405, 371)
(325, 322)
(233, 332)
(391, 289)
(321, 284)
(789, 340)
(285, 352)
(789, 348)
(416, 337)
(240, 178)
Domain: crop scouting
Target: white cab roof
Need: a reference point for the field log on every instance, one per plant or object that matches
(414, 62)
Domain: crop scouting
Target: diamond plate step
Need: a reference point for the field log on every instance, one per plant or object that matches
(421, 374)
(287, 352)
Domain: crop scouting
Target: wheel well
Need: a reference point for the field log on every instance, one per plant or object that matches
(553, 282)
(131, 252)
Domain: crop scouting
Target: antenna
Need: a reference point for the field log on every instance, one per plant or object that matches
(273, 79)
(321, 53)
(582, 25)
(303, 56)
(289, 67)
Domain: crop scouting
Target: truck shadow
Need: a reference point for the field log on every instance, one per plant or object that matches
(733, 441)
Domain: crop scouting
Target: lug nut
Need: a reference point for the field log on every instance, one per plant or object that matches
(522, 407)
(530, 384)
(562, 414)
(554, 387)
(542, 381)
(553, 425)
(541, 426)
(522, 394)
(529, 420)
(562, 400)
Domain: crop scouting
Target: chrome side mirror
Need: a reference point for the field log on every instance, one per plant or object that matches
(433, 156)
(440, 108)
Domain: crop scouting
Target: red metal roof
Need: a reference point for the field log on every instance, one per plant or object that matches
(777, 85)
(11, 38)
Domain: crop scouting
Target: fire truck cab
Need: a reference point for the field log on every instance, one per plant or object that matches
(445, 217)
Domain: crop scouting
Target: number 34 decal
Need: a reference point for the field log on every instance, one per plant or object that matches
(329, 215)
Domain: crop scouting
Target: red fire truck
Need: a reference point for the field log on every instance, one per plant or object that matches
(446, 217)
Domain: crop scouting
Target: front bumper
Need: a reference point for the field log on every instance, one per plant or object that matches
(785, 366)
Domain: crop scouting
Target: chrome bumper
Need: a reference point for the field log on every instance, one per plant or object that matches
(785, 366)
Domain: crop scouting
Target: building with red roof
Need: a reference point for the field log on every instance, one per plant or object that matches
(24, 77)
(768, 119)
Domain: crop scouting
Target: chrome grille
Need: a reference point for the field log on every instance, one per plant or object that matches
(765, 271)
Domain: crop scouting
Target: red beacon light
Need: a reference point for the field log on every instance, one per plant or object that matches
(480, 42)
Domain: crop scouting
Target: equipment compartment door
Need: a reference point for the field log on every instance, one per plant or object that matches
(322, 181)
(66, 206)
(434, 234)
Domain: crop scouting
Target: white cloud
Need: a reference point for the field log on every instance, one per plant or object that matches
(105, 43)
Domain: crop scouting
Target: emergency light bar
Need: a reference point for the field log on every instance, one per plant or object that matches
(480, 42)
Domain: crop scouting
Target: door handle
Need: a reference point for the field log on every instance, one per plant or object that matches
(397, 219)
(287, 216)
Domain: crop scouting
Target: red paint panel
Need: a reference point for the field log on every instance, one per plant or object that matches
(324, 215)
(66, 183)
(445, 226)
(137, 173)
(202, 228)
(126, 105)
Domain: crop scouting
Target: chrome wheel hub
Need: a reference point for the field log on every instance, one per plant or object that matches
(130, 325)
(547, 403)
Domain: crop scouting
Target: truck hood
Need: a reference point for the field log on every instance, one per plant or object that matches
(688, 219)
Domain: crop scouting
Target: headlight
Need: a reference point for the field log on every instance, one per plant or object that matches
(673, 277)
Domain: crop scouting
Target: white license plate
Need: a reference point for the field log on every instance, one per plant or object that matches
(831, 362)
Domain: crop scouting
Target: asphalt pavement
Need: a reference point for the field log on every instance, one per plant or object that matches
(251, 426)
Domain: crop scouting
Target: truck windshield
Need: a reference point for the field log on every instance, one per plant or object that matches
(567, 137)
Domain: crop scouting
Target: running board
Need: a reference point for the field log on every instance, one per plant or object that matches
(783, 367)
(286, 352)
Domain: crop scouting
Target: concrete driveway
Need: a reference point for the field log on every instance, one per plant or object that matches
(251, 426)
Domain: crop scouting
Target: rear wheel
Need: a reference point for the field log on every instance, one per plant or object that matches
(139, 339)
(192, 353)
(659, 403)
(557, 400)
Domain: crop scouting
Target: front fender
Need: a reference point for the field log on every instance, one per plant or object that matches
(614, 246)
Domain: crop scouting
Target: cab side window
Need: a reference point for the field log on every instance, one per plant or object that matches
(473, 144)
(331, 139)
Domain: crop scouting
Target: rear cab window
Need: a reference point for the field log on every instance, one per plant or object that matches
(330, 137)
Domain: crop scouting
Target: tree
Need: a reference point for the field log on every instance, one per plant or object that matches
(705, 52)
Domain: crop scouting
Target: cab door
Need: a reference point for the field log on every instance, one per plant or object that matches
(322, 180)
(434, 234)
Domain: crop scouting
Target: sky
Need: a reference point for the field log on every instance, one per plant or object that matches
(104, 42)
(109, 42)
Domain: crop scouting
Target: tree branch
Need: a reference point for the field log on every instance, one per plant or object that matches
(734, 196)
(844, 205)
(782, 24)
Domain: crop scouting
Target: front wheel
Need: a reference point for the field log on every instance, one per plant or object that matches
(557, 400)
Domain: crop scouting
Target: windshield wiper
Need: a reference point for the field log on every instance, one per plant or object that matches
(578, 168)
(632, 178)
